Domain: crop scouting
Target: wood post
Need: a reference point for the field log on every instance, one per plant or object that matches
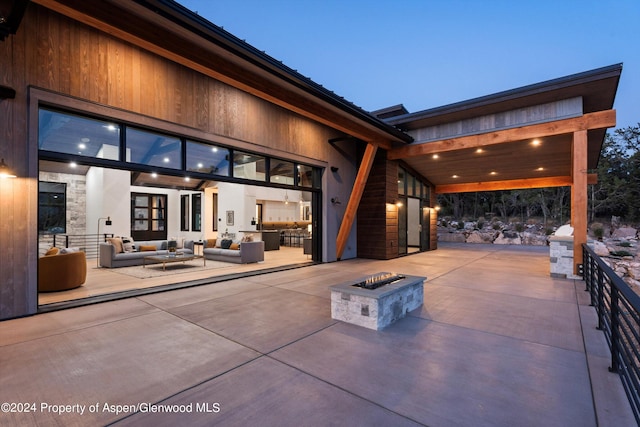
(354, 199)
(579, 195)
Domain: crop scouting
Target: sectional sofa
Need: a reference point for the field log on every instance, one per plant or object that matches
(112, 256)
(239, 253)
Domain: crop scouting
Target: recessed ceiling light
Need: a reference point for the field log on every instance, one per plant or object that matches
(84, 140)
(154, 175)
(200, 165)
(493, 173)
(73, 164)
(540, 169)
(166, 160)
(455, 176)
(186, 178)
(479, 150)
(214, 149)
(536, 142)
(82, 146)
(435, 156)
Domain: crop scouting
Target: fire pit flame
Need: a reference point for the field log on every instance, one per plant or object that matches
(377, 281)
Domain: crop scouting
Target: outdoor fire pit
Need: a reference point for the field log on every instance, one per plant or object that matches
(378, 300)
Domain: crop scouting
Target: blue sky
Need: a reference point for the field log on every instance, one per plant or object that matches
(427, 53)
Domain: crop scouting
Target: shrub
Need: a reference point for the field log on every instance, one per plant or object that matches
(620, 254)
(496, 226)
(548, 231)
(598, 232)
(480, 224)
(625, 244)
(519, 227)
(460, 225)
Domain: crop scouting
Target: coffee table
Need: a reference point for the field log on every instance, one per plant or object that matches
(166, 259)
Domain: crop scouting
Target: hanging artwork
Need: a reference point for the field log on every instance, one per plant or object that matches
(229, 217)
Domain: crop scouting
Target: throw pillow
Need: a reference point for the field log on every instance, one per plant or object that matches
(235, 246)
(211, 243)
(226, 243)
(147, 248)
(69, 250)
(117, 242)
(247, 238)
(127, 244)
(52, 251)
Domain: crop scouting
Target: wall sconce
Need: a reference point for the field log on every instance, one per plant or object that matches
(107, 222)
(335, 201)
(5, 171)
(397, 202)
(253, 221)
(334, 169)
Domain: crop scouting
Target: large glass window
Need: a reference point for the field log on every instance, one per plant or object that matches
(249, 166)
(52, 207)
(153, 149)
(73, 134)
(196, 212)
(207, 158)
(281, 172)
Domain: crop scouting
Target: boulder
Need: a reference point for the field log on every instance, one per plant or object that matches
(565, 230)
(534, 239)
(480, 237)
(503, 239)
(624, 233)
(600, 249)
(451, 237)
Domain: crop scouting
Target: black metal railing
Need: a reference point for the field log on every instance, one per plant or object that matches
(88, 243)
(618, 309)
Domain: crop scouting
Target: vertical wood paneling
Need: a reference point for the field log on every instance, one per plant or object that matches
(377, 219)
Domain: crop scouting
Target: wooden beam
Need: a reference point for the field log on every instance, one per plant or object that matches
(597, 120)
(354, 199)
(579, 195)
(553, 181)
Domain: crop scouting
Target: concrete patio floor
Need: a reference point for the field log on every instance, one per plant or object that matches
(497, 343)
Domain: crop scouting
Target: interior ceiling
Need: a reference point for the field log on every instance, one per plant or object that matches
(137, 178)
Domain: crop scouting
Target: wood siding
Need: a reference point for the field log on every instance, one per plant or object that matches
(58, 54)
(377, 219)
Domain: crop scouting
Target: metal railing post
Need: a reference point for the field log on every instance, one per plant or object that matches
(600, 307)
(615, 330)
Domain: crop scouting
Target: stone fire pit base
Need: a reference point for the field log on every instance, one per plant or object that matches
(376, 308)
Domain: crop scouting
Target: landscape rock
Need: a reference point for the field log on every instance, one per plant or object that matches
(480, 237)
(624, 233)
(600, 249)
(534, 239)
(451, 237)
(504, 239)
(565, 230)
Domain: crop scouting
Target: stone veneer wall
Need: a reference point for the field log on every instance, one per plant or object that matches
(561, 256)
(76, 206)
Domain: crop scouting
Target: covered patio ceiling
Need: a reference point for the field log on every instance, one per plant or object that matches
(531, 156)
